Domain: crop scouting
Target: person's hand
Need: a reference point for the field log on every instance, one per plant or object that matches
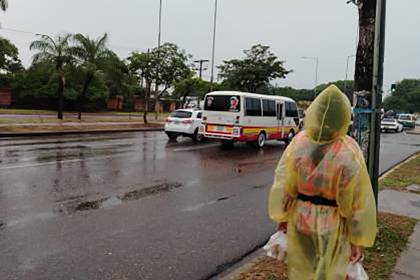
(282, 227)
(356, 254)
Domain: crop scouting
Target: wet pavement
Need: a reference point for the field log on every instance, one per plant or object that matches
(135, 206)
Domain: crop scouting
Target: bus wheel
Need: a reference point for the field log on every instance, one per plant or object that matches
(261, 140)
(290, 137)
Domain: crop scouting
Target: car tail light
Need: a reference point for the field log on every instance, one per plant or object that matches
(187, 122)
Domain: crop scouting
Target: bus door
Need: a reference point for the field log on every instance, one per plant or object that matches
(280, 119)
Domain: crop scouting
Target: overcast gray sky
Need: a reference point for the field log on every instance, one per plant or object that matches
(293, 28)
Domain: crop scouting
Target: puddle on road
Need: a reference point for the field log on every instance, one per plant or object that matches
(77, 205)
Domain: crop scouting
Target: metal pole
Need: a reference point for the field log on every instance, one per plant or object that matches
(160, 23)
(316, 59)
(347, 71)
(378, 71)
(214, 45)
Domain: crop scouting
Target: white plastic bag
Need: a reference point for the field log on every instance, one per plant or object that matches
(277, 246)
(357, 272)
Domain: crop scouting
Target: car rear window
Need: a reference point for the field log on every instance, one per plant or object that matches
(181, 114)
(223, 103)
(405, 118)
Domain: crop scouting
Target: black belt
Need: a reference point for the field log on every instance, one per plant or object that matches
(317, 200)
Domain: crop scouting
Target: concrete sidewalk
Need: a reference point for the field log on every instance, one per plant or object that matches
(42, 129)
(405, 204)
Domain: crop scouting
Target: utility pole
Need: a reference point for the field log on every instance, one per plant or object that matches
(214, 45)
(377, 89)
(368, 82)
(200, 69)
(159, 44)
(316, 59)
(347, 73)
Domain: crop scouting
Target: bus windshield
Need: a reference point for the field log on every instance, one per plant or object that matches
(223, 103)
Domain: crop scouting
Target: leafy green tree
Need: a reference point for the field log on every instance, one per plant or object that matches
(255, 71)
(191, 87)
(144, 66)
(164, 66)
(295, 94)
(9, 57)
(55, 51)
(4, 4)
(406, 86)
(396, 104)
(405, 97)
(171, 65)
(90, 54)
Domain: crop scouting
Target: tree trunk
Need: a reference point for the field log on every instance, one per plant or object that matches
(365, 50)
(61, 84)
(146, 102)
(363, 77)
(82, 99)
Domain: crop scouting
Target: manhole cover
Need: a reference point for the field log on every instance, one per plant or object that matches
(414, 188)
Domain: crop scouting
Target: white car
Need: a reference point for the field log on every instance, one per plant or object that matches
(184, 122)
(391, 124)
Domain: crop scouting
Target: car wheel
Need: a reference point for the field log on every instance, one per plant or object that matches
(261, 140)
(290, 137)
(197, 137)
(172, 136)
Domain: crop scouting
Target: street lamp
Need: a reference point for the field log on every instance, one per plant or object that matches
(315, 58)
(347, 71)
(214, 45)
(160, 23)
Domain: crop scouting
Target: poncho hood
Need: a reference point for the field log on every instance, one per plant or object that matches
(329, 116)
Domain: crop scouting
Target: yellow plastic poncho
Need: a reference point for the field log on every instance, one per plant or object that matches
(323, 161)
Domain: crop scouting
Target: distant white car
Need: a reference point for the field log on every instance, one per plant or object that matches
(391, 124)
(184, 122)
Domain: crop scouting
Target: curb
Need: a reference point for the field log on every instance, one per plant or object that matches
(69, 132)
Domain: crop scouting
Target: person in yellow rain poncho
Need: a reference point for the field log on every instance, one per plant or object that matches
(322, 194)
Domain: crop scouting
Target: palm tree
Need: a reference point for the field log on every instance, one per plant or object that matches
(91, 53)
(58, 53)
(4, 4)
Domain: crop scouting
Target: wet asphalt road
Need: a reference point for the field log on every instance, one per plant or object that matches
(135, 206)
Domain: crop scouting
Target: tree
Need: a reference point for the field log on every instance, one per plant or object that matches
(191, 87)
(9, 57)
(164, 66)
(55, 51)
(90, 53)
(171, 67)
(256, 70)
(144, 66)
(406, 86)
(4, 4)
(405, 98)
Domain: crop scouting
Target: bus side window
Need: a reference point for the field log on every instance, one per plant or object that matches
(279, 111)
(291, 110)
(253, 107)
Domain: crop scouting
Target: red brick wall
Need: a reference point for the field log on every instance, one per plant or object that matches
(5, 97)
